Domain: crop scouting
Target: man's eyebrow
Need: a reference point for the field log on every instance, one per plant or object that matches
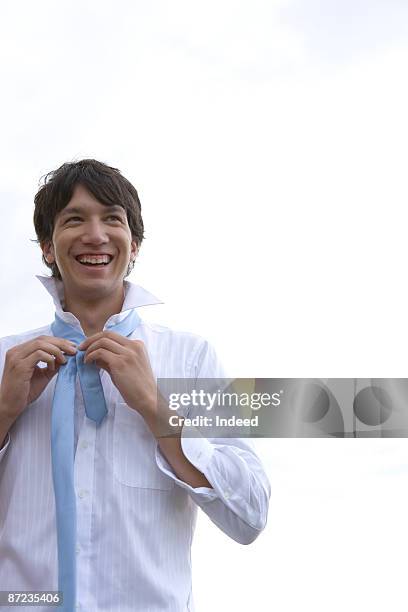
(69, 210)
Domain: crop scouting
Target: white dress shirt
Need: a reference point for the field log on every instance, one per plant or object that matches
(135, 517)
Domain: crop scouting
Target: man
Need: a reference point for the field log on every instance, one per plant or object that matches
(131, 513)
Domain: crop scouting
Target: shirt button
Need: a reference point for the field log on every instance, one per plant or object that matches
(77, 549)
(84, 444)
(82, 493)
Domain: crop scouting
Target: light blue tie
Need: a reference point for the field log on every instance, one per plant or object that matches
(62, 443)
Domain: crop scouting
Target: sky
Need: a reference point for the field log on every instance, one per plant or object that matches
(267, 141)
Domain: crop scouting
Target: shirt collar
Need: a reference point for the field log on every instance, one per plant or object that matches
(135, 296)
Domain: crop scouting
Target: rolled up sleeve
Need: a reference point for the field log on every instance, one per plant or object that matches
(238, 501)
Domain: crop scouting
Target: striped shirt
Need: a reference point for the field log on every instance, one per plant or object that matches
(135, 517)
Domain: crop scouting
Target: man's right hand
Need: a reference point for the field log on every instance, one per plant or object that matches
(23, 380)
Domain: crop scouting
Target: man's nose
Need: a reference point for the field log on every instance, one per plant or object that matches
(94, 232)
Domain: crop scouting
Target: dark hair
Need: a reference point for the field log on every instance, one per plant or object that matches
(106, 184)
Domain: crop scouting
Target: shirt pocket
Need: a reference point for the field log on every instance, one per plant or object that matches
(134, 452)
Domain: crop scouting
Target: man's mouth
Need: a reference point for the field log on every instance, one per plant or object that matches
(94, 260)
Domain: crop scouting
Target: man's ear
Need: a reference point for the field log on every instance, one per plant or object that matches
(134, 249)
(48, 252)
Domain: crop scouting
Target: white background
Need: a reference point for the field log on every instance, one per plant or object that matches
(268, 143)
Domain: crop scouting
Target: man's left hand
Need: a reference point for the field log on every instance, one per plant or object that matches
(128, 365)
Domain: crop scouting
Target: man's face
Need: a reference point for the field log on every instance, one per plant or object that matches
(92, 246)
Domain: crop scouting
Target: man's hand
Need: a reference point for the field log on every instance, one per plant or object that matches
(23, 380)
(128, 365)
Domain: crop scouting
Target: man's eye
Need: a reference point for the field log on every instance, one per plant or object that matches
(73, 219)
(114, 217)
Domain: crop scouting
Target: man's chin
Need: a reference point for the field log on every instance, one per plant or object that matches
(93, 287)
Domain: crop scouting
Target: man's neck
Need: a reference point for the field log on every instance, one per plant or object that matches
(93, 313)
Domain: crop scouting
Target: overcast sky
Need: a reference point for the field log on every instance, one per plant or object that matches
(267, 140)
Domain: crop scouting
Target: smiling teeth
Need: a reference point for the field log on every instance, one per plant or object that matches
(94, 259)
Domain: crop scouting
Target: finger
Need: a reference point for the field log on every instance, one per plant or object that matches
(104, 334)
(56, 351)
(68, 346)
(108, 344)
(49, 372)
(88, 341)
(101, 357)
(32, 360)
(63, 343)
(53, 350)
(55, 346)
(56, 370)
(44, 372)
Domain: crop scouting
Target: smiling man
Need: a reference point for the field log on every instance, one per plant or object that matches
(94, 502)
